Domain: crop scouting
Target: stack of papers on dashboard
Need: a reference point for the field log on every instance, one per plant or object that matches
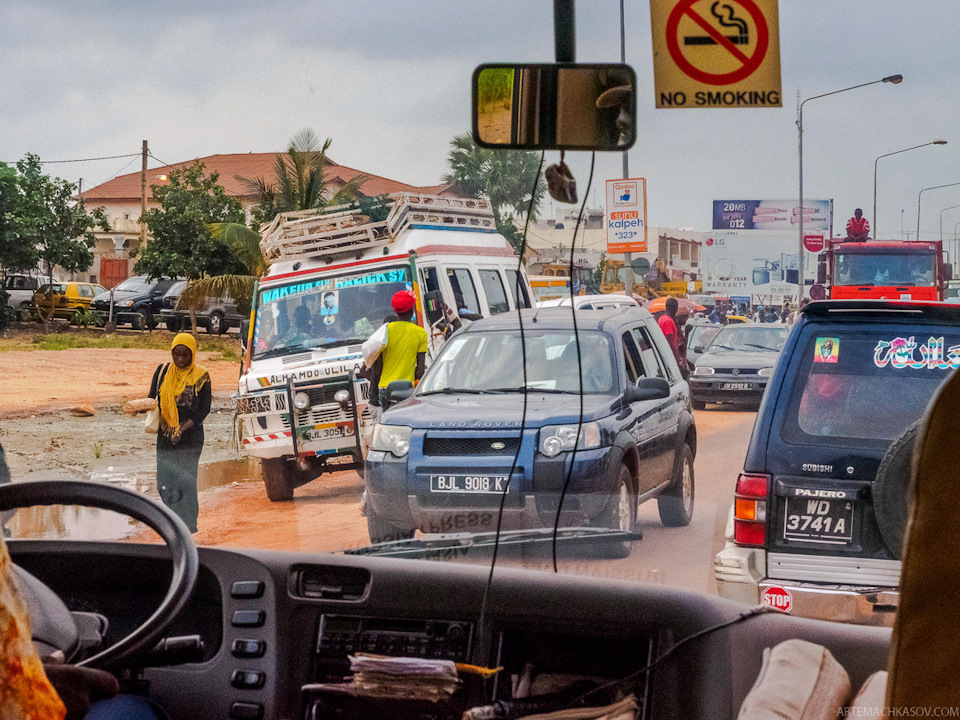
(404, 677)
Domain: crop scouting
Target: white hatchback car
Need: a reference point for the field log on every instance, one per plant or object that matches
(591, 302)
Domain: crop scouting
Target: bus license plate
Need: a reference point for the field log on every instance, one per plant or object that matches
(468, 483)
(829, 521)
(330, 430)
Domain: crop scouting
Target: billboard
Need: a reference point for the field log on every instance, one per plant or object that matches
(626, 216)
(762, 265)
(772, 215)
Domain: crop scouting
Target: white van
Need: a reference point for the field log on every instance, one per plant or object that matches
(332, 277)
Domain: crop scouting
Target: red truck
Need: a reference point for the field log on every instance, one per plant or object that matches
(883, 270)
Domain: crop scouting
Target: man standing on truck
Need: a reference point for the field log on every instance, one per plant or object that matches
(858, 227)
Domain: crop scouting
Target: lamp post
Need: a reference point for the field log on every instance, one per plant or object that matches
(952, 207)
(920, 194)
(895, 152)
(895, 80)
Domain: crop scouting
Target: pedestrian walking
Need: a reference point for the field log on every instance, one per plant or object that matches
(668, 324)
(182, 389)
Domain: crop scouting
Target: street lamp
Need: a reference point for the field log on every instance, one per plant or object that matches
(893, 79)
(952, 207)
(896, 152)
(920, 194)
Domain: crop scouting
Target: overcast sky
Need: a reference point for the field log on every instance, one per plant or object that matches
(389, 82)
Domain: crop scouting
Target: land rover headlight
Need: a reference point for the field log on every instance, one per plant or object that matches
(301, 401)
(765, 372)
(554, 439)
(703, 370)
(393, 439)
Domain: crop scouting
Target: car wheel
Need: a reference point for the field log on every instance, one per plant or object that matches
(215, 323)
(676, 505)
(891, 488)
(23, 312)
(621, 513)
(380, 530)
(172, 323)
(279, 478)
(140, 320)
(699, 404)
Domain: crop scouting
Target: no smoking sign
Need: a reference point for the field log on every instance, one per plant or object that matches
(716, 53)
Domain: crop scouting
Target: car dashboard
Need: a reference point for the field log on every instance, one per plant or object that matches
(278, 629)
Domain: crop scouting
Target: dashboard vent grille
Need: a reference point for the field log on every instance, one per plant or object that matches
(332, 582)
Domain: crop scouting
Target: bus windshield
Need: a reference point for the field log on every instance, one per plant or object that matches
(913, 269)
(324, 312)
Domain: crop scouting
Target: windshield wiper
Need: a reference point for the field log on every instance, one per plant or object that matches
(339, 343)
(456, 544)
(282, 350)
(532, 388)
(721, 347)
(453, 391)
(762, 347)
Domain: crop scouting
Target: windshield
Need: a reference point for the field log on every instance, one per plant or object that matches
(749, 339)
(135, 285)
(323, 312)
(492, 362)
(219, 119)
(912, 269)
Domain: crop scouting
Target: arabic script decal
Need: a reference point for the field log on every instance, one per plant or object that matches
(902, 353)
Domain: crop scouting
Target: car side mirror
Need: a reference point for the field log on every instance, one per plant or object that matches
(648, 388)
(398, 391)
(433, 306)
(821, 270)
(468, 315)
(555, 106)
(698, 349)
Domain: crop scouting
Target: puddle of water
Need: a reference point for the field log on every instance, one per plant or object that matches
(68, 522)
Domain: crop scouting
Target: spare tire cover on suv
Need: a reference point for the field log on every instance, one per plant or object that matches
(891, 488)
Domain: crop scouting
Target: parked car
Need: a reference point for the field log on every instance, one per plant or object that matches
(736, 365)
(451, 446)
(217, 315)
(700, 332)
(592, 302)
(819, 513)
(20, 290)
(136, 300)
(63, 299)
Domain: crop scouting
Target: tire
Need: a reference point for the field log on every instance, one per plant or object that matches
(676, 504)
(215, 323)
(141, 320)
(381, 530)
(279, 478)
(621, 512)
(172, 323)
(23, 312)
(698, 404)
(891, 489)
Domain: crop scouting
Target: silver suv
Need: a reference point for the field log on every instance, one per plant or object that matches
(216, 316)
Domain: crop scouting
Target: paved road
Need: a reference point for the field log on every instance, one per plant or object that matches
(680, 557)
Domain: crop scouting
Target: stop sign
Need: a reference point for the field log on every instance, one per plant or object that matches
(778, 598)
(813, 243)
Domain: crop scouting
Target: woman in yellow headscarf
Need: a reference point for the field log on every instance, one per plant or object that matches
(182, 389)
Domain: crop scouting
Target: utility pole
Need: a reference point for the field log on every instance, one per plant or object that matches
(143, 197)
(627, 257)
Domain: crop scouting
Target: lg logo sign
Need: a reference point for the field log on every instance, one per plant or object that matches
(717, 241)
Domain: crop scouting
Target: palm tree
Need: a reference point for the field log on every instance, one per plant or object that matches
(507, 178)
(299, 183)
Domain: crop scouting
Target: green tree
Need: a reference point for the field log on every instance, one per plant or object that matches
(599, 270)
(181, 244)
(50, 224)
(300, 181)
(507, 178)
(15, 255)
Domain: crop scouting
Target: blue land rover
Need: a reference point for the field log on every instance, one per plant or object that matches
(443, 460)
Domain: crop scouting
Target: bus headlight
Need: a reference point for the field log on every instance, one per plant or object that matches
(301, 401)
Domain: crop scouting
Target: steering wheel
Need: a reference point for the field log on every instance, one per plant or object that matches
(52, 623)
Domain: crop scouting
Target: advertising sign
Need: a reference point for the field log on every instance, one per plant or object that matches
(771, 214)
(708, 54)
(763, 265)
(626, 216)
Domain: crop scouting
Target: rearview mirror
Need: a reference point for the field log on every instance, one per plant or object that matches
(698, 349)
(554, 107)
(433, 306)
(648, 388)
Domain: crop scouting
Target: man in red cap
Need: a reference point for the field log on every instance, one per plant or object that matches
(404, 354)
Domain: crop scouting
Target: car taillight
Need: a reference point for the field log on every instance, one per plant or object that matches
(750, 510)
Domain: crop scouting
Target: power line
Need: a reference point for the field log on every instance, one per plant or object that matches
(106, 157)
